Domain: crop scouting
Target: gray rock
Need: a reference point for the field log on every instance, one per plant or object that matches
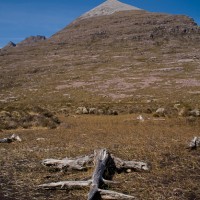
(81, 110)
(161, 112)
(112, 112)
(100, 112)
(195, 113)
(85, 111)
(92, 110)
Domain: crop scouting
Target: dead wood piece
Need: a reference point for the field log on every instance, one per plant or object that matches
(194, 143)
(78, 163)
(122, 165)
(108, 194)
(105, 167)
(63, 185)
(100, 159)
(13, 138)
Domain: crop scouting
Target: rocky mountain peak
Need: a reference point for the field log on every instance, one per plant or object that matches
(107, 8)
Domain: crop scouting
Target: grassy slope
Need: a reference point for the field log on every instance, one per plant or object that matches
(175, 170)
(119, 66)
(128, 57)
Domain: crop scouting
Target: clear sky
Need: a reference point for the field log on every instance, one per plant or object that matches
(23, 18)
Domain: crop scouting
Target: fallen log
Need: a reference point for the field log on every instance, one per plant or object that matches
(79, 163)
(108, 194)
(194, 143)
(126, 166)
(63, 185)
(83, 162)
(105, 167)
(13, 138)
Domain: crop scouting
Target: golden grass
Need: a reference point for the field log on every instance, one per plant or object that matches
(175, 170)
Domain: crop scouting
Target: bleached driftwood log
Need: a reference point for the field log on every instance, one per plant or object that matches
(83, 162)
(63, 185)
(108, 194)
(11, 139)
(194, 143)
(79, 163)
(125, 166)
(105, 168)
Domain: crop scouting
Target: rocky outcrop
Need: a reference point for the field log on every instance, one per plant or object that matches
(31, 40)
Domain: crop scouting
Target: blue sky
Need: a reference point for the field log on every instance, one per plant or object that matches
(22, 18)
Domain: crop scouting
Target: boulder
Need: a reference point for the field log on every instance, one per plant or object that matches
(81, 110)
(161, 112)
(195, 113)
(112, 112)
(92, 110)
(100, 112)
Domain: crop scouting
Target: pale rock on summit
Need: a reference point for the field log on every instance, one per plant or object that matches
(107, 8)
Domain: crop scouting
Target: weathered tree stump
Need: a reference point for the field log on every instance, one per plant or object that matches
(13, 138)
(100, 160)
(106, 165)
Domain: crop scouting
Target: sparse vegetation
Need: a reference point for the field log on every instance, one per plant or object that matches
(129, 62)
(37, 117)
(174, 174)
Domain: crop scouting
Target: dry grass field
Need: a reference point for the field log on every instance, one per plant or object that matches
(175, 172)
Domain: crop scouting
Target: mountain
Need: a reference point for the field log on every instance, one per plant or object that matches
(107, 8)
(121, 56)
(9, 45)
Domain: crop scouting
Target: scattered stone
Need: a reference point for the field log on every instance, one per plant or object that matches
(92, 110)
(112, 112)
(195, 113)
(140, 118)
(81, 110)
(161, 112)
(85, 111)
(100, 112)
(194, 143)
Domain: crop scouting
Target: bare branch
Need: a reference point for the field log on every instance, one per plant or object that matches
(79, 163)
(13, 138)
(63, 185)
(108, 194)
